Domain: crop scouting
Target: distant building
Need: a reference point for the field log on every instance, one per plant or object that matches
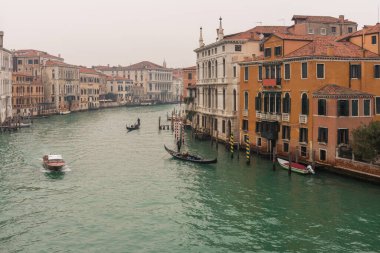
(178, 85)
(61, 85)
(121, 88)
(90, 82)
(189, 80)
(156, 80)
(5, 81)
(27, 94)
(322, 25)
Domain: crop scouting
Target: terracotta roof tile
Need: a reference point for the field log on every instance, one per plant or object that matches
(321, 19)
(336, 90)
(255, 33)
(366, 30)
(35, 53)
(88, 71)
(327, 46)
(51, 63)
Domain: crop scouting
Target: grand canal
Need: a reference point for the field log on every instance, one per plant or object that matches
(121, 192)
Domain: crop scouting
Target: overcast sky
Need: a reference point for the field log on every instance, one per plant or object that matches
(100, 32)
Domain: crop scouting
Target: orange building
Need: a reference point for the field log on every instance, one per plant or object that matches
(279, 91)
(27, 94)
(189, 80)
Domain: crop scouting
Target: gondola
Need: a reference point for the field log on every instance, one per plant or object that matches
(188, 157)
(133, 127)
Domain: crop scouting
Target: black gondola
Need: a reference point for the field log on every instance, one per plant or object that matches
(189, 157)
(135, 126)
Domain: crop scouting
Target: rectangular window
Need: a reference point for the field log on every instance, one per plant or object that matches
(261, 72)
(286, 132)
(285, 147)
(30, 61)
(278, 51)
(304, 70)
(355, 71)
(237, 48)
(350, 30)
(374, 39)
(354, 107)
(342, 137)
(376, 71)
(303, 135)
(287, 71)
(333, 29)
(223, 48)
(322, 155)
(323, 31)
(377, 105)
(19, 62)
(268, 52)
(258, 127)
(343, 107)
(245, 125)
(367, 107)
(303, 151)
(246, 73)
(234, 71)
(322, 107)
(320, 71)
(323, 134)
(190, 76)
(310, 31)
(259, 142)
(223, 126)
(35, 61)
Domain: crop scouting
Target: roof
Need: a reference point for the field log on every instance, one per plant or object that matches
(368, 29)
(51, 63)
(144, 65)
(288, 36)
(327, 46)
(255, 33)
(333, 90)
(85, 70)
(55, 157)
(35, 53)
(321, 19)
(192, 68)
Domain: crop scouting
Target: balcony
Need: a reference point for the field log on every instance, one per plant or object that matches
(303, 119)
(245, 113)
(271, 82)
(258, 115)
(268, 116)
(285, 117)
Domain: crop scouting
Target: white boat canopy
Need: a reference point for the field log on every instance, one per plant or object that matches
(55, 157)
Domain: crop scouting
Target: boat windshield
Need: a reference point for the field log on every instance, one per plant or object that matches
(54, 157)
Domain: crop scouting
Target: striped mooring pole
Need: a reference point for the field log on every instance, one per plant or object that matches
(248, 150)
(232, 145)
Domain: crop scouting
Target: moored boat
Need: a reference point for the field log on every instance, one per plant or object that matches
(53, 162)
(296, 167)
(188, 157)
(64, 112)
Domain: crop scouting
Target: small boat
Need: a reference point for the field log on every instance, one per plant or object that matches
(64, 112)
(23, 125)
(133, 127)
(296, 167)
(53, 162)
(189, 157)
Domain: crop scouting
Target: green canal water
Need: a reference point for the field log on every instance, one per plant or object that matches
(121, 192)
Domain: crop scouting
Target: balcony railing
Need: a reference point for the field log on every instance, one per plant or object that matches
(268, 116)
(285, 117)
(258, 115)
(271, 82)
(303, 119)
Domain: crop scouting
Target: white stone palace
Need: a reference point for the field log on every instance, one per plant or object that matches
(5, 81)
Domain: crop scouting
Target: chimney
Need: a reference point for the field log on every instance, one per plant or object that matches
(1, 39)
(341, 18)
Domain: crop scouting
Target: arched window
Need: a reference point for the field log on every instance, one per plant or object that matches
(209, 69)
(258, 102)
(305, 104)
(216, 69)
(216, 98)
(245, 100)
(286, 104)
(234, 95)
(266, 102)
(224, 99)
(224, 67)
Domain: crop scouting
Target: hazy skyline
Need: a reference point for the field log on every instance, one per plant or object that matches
(125, 32)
